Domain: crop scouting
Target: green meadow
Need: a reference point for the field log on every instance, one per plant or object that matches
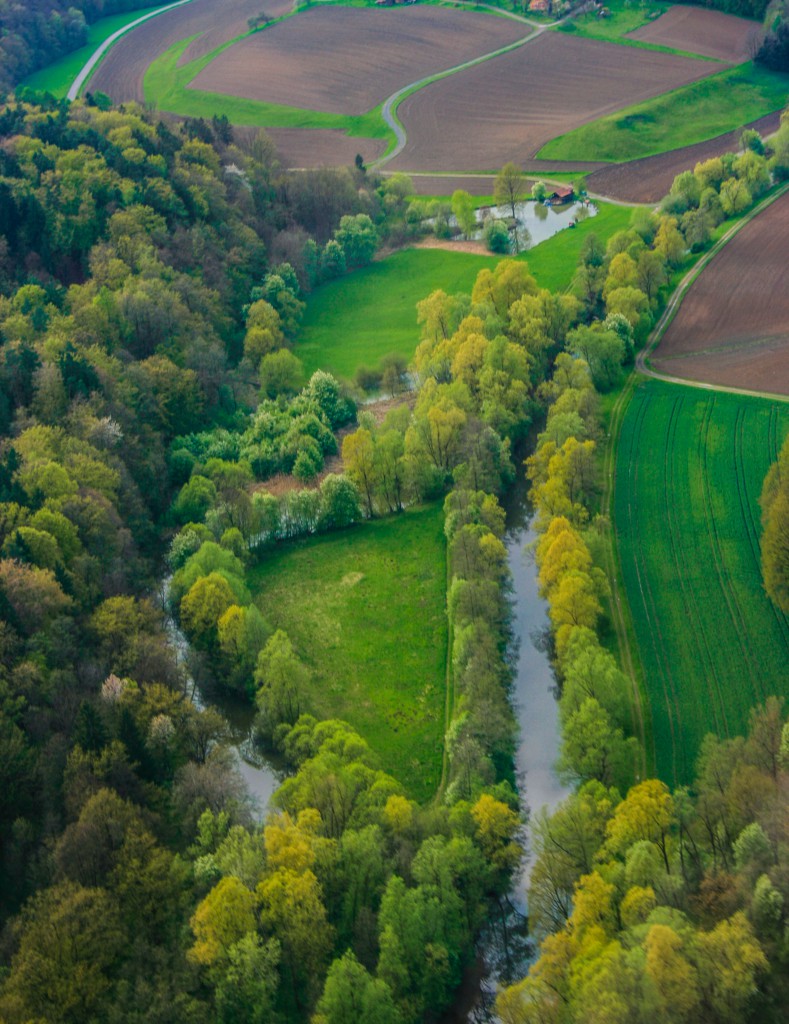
(365, 609)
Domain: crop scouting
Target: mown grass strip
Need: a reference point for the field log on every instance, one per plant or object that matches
(694, 113)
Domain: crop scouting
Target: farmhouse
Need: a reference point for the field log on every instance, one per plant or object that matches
(560, 194)
(540, 6)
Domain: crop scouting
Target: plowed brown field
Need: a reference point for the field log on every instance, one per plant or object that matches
(733, 325)
(708, 33)
(347, 60)
(507, 108)
(308, 147)
(648, 180)
(121, 73)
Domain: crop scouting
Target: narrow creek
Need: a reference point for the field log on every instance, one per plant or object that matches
(504, 950)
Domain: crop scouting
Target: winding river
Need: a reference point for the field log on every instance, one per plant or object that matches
(505, 950)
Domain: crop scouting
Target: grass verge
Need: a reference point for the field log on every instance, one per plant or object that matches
(366, 610)
(689, 471)
(683, 117)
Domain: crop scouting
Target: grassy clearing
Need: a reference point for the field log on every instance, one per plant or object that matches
(356, 320)
(694, 113)
(57, 77)
(689, 472)
(166, 85)
(366, 610)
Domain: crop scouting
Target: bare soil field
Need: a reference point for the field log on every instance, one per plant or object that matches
(733, 325)
(322, 147)
(648, 180)
(120, 74)
(708, 33)
(507, 108)
(347, 60)
(445, 185)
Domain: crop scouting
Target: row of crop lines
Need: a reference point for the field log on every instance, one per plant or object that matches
(690, 467)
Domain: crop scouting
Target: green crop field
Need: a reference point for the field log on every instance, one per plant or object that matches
(357, 319)
(694, 113)
(366, 611)
(57, 77)
(689, 473)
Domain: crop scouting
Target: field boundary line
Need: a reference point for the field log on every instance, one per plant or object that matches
(96, 57)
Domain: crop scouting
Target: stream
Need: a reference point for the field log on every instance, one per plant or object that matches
(504, 949)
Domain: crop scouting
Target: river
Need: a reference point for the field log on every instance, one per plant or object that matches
(504, 950)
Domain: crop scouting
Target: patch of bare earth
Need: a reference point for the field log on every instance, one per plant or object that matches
(733, 325)
(648, 180)
(449, 245)
(347, 60)
(708, 33)
(322, 147)
(508, 107)
(120, 75)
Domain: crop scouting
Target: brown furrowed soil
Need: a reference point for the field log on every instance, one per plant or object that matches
(733, 325)
(322, 147)
(445, 184)
(120, 75)
(347, 60)
(708, 33)
(507, 108)
(648, 180)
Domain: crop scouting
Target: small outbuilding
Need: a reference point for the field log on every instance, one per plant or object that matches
(559, 194)
(540, 6)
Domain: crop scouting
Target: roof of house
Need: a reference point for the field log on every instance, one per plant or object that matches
(562, 191)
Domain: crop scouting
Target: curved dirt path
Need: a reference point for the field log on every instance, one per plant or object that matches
(95, 58)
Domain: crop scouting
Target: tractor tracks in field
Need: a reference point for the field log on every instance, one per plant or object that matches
(619, 608)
